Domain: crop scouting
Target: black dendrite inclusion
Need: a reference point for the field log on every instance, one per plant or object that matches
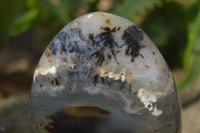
(132, 37)
(103, 41)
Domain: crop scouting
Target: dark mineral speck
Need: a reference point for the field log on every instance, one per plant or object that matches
(55, 82)
(41, 85)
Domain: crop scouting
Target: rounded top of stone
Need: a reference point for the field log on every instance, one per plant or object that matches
(111, 46)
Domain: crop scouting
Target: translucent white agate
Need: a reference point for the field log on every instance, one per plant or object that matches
(102, 74)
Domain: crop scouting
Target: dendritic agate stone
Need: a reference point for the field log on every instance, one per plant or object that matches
(102, 74)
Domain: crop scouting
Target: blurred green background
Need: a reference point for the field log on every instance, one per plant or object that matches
(27, 26)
